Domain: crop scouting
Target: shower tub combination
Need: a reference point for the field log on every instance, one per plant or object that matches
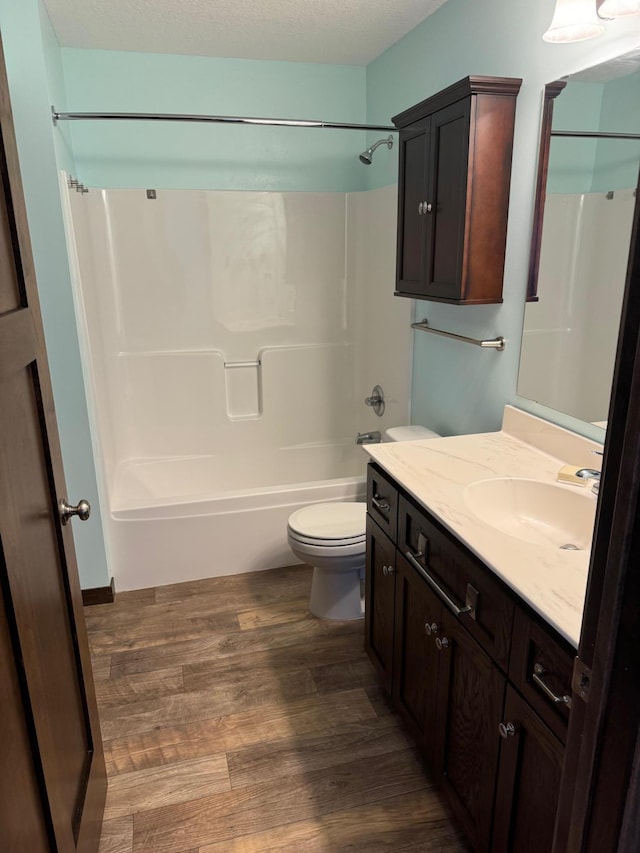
(225, 373)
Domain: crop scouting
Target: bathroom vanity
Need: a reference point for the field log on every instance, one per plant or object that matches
(474, 629)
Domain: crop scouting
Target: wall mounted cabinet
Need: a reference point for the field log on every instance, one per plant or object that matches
(478, 679)
(453, 191)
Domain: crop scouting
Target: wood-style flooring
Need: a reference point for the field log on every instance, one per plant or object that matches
(235, 722)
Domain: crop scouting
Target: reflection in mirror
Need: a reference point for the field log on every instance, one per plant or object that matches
(571, 324)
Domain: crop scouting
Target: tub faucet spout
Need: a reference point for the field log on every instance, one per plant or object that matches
(372, 437)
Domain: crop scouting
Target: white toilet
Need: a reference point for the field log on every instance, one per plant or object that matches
(331, 538)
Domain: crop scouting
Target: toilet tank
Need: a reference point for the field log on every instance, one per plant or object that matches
(409, 433)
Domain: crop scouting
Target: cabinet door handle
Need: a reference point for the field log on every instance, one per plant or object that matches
(538, 672)
(453, 606)
(442, 643)
(387, 570)
(507, 730)
(430, 628)
(380, 503)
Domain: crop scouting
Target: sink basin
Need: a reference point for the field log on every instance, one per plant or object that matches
(536, 512)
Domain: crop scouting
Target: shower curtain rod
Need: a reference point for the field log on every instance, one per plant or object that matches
(277, 122)
(588, 134)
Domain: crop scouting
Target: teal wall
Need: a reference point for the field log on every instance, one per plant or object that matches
(33, 64)
(572, 162)
(457, 388)
(616, 165)
(139, 154)
(592, 165)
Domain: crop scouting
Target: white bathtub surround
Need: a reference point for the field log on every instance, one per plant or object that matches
(439, 472)
(570, 334)
(232, 338)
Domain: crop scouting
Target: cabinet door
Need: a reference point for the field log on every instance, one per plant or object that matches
(379, 601)
(470, 700)
(412, 217)
(447, 193)
(415, 675)
(528, 782)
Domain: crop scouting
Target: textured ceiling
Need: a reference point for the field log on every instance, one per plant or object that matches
(350, 32)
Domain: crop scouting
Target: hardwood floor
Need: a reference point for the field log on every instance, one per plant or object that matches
(235, 722)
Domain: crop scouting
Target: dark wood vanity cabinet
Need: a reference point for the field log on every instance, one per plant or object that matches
(458, 653)
(453, 191)
(528, 782)
(379, 613)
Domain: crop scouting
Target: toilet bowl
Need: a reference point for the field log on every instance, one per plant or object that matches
(331, 537)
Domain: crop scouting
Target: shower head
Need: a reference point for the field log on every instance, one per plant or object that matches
(367, 156)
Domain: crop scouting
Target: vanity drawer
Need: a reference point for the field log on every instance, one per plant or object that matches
(541, 667)
(459, 580)
(382, 500)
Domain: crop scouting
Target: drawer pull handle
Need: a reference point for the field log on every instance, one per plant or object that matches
(442, 643)
(380, 503)
(538, 672)
(430, 628)
(387, 570)
(453, 606)
(507, 730)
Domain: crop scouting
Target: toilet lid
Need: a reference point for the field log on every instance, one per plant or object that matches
(330, 521)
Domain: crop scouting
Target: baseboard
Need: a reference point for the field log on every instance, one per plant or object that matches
(99, 594)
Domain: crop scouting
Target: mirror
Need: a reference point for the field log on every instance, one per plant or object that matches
(586, 194)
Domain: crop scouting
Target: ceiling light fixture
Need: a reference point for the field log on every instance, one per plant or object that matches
(618, 8)
(574, 20)
(578, 20)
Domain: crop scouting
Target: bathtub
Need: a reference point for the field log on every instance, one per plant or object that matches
(186, 518)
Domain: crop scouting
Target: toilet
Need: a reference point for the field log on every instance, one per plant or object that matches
(331, 537)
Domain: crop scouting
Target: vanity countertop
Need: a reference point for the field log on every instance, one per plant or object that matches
(436, 473)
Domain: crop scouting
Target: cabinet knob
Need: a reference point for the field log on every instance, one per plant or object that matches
(442, 643)
(387, 570)
(507, 730)
(430, 628)
(428, 207)
(420, 208)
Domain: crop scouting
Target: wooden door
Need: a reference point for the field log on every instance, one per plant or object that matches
(53, 776)
(470, 701)
(380, 598)
(528, 781)
(415, 676)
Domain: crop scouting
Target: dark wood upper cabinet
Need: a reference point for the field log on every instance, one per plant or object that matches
(551, 92)
(453, 191)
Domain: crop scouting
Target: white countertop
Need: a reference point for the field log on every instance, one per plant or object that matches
(436, 473)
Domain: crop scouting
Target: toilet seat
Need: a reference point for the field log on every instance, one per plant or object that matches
(329, 524)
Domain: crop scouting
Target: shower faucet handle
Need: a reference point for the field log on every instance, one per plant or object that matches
(376, 400)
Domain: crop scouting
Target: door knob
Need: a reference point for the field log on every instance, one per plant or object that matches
(83, 510)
